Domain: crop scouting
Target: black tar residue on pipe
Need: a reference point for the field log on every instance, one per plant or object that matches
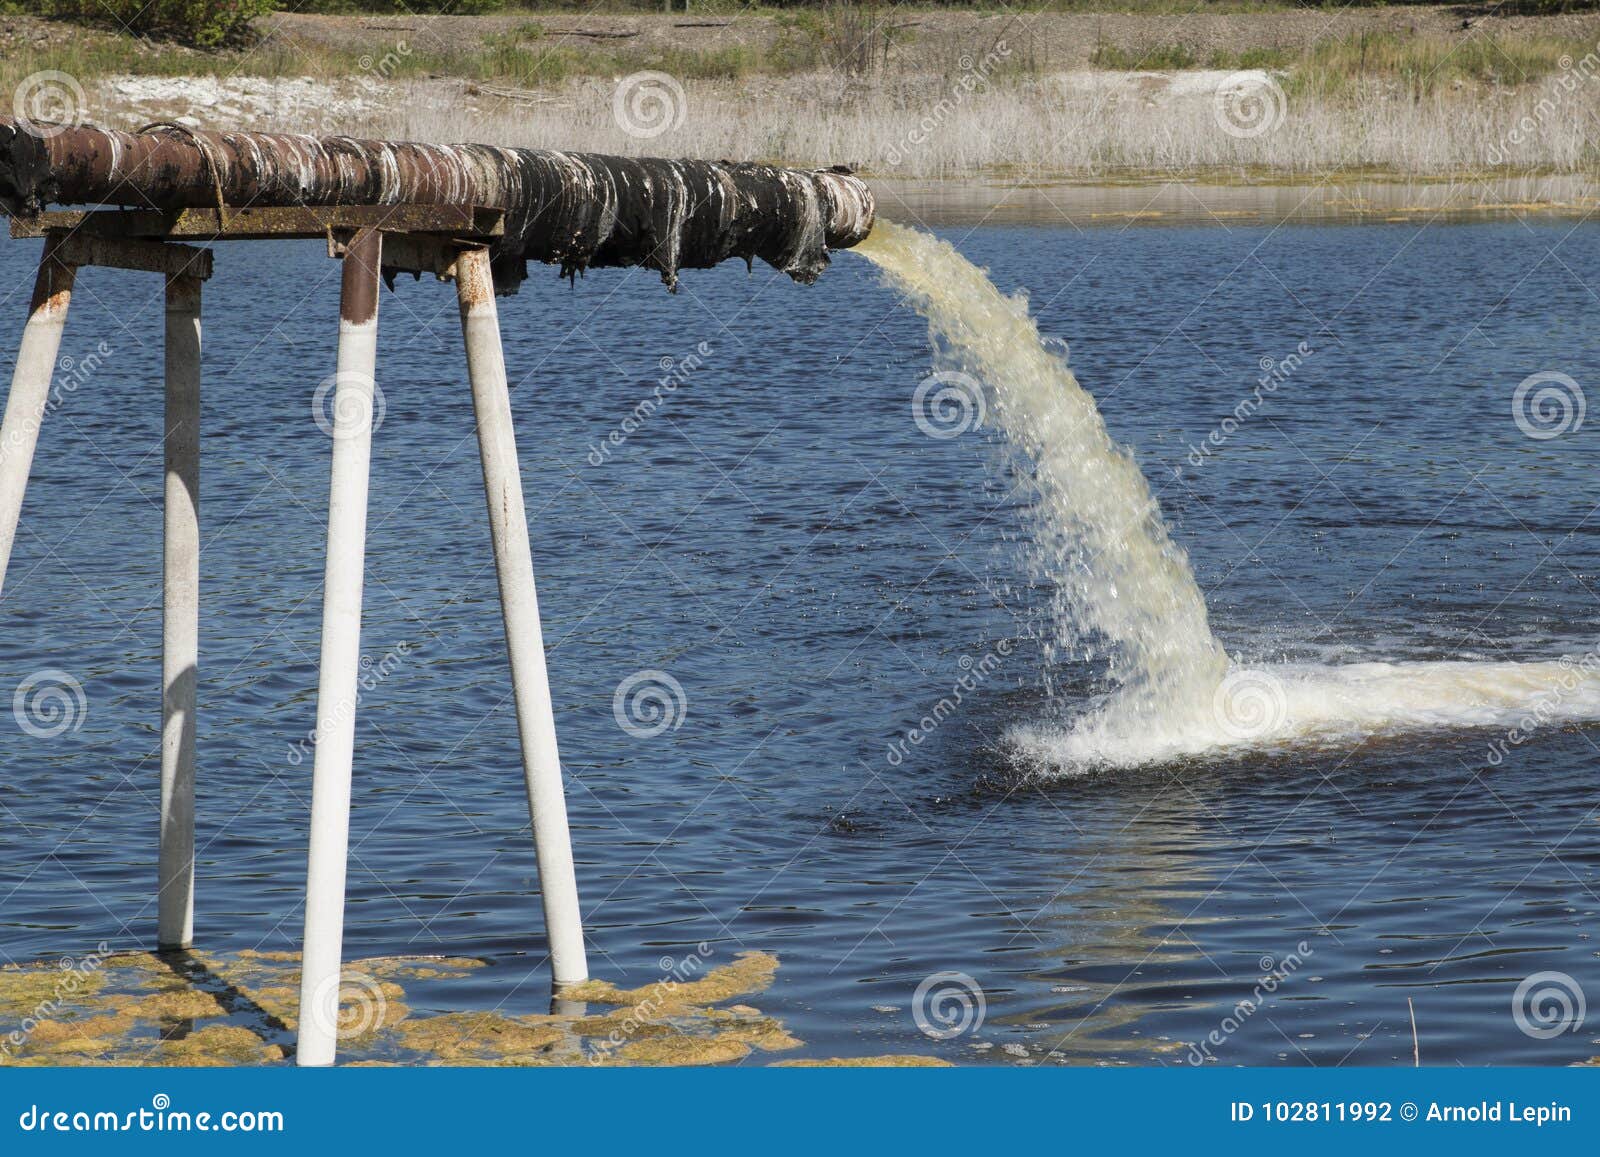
(573, 210)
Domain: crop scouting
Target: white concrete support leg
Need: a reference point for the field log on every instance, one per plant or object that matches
(341, 651)
(180, 614)
(519, 602)
(30, 389)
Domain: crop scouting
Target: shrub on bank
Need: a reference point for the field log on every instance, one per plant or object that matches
(204, 23)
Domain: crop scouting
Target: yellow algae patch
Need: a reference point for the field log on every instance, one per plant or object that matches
(217, 1044)
(92, 1036)
(279, 1001)
(30, 992)
(750, 972)
(200, 1009)
(894, 1061)
(764, 1032)
(137, 960)
(418, 967)
(682, 1050)
(184, 1004)
(481, 1036)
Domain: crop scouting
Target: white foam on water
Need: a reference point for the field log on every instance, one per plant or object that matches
(1125, 590)
(1291, 705)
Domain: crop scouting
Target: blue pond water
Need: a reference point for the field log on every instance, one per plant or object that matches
(816, 573)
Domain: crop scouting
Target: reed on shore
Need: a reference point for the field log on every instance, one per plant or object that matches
(823, 90)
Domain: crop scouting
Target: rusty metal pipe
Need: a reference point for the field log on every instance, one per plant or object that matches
(574, 210)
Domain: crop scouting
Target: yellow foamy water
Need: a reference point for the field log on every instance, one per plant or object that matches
(1097, 532)
(1124, 588)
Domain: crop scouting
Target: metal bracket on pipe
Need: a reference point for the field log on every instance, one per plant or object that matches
(412, 253)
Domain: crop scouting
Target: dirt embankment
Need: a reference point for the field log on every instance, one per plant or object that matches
(919, 39)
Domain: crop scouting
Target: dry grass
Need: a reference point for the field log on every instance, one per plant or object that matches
(1057, 126)
(822, 93)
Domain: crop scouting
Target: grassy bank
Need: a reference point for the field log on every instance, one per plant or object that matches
(902, 92)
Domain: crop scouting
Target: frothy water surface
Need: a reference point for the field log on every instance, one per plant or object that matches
(1122, 583)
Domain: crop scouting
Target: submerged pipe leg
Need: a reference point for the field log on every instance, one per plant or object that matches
(180, 614)
(341, 651)
(30, 388)
(519, 603)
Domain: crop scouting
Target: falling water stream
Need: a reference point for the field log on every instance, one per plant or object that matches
(1123, 588)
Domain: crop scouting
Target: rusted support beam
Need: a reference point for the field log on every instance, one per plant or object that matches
(411, 253)
(573, 210)
(253, 223)
(146, 256)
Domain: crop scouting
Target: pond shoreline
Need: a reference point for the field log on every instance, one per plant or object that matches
(1153, 200)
